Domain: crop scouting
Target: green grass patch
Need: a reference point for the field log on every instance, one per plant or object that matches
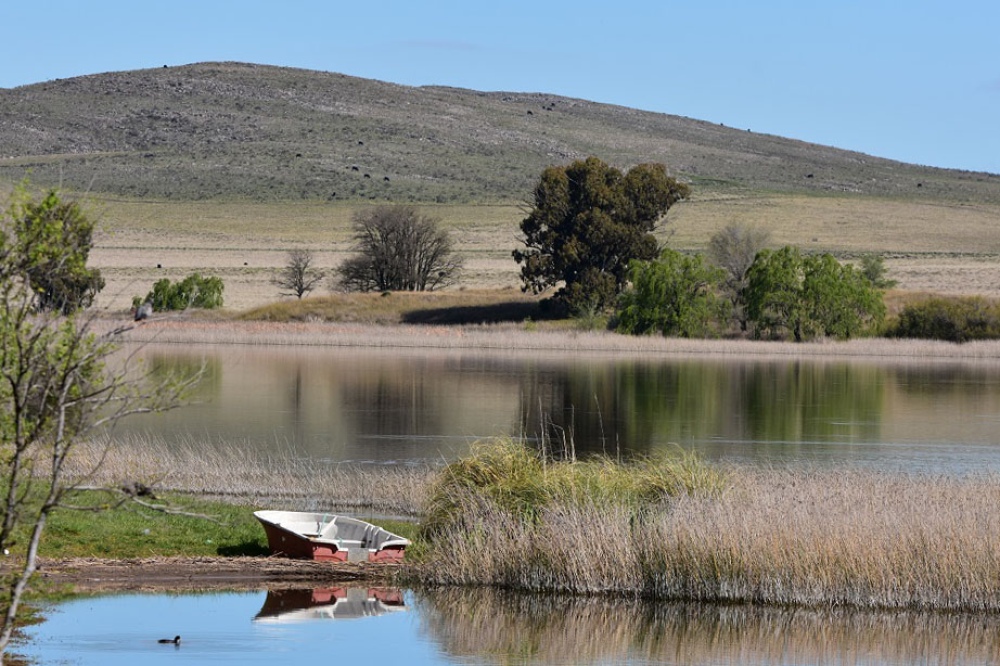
(132, 530)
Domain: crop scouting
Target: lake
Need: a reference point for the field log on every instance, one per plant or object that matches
(388, 406)
(397, 407)
(372, 625)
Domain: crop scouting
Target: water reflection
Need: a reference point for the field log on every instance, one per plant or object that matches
(349, 623)
(468, 624)
(329, 603)
(482, 626)
(378, 405)
(634, 406)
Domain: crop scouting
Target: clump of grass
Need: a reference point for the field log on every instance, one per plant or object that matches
(504, 475)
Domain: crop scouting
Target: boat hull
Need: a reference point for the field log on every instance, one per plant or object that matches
(289, 542)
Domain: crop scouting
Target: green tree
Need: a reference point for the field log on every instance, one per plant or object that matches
(811, 296)
(589, 220)
(674, 295)
(842, 302)
(773, 296)
(50, 241)
(56, 389)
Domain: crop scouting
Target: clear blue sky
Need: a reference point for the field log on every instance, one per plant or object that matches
(916, 80)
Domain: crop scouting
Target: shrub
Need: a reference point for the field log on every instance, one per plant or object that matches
(956, 319)
(872, 266)
(194, 291)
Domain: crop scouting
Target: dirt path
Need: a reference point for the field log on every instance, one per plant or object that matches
(206, 573)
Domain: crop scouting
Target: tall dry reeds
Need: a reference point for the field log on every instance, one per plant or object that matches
(515, 338)
(845, 538)
(275, 480)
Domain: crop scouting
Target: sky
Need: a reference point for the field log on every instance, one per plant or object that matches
(912, 80)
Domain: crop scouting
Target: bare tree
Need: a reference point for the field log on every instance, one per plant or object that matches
(733, 249)
(398, 249)
(57, 387)
(299, 276)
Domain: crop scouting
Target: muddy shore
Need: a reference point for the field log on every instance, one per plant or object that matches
(158, 574)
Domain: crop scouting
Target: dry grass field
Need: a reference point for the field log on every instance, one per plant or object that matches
(929, 247)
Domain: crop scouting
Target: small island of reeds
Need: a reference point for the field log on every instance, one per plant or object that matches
(678, 528)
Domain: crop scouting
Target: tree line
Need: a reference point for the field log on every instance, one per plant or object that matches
(590, 230)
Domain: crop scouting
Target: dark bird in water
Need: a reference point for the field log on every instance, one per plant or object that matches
(176, 640)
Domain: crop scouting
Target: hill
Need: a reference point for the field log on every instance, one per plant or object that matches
(260, 133)
(221, 168)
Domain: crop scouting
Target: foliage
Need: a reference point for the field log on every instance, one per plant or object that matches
(194, 291)
(808, 297)
(955, 319)
(50, 241)
(589, 220)
(873, 268)
(510, 477)
(733, 249)
(398, 249)
(299, 276)
(675, 295)
(55, 389)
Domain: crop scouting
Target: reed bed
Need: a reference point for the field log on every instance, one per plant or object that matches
(239, 474)
(855, 538)
(517, 338)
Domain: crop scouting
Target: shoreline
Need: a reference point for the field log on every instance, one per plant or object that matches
(513, 338)
(196, 573)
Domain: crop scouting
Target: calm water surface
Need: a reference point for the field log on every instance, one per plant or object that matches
(484, 627)
(390, 406)
(395, 407)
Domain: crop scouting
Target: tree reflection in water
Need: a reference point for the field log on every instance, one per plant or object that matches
(631, 407)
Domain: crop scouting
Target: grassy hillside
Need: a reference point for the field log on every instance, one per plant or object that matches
(240, 131)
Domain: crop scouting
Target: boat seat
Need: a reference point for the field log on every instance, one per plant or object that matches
(330, 531)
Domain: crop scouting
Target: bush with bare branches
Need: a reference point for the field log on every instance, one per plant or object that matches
(398, 249)
(299, 276)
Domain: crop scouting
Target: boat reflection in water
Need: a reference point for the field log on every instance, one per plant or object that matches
(329, 603)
